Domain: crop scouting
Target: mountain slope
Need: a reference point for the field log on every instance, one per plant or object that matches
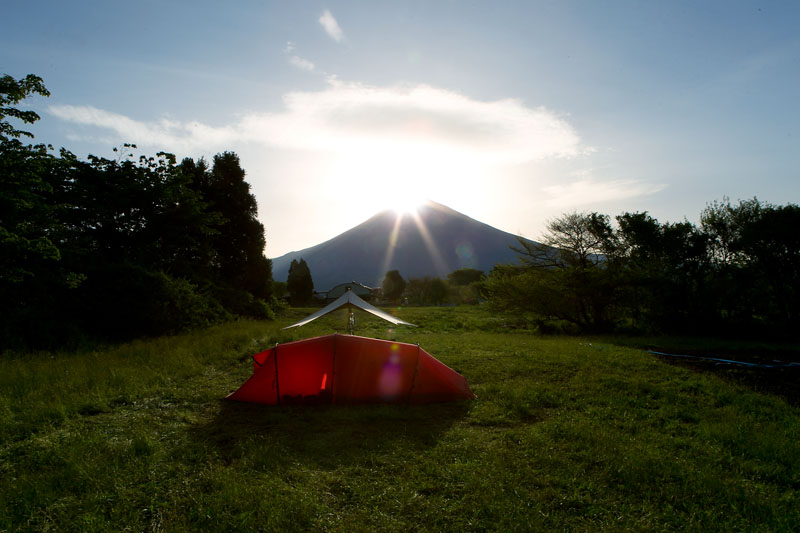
(434, 243)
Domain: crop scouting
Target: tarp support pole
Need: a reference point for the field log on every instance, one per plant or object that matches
(277, 384)
(349, 322)
(414, 378)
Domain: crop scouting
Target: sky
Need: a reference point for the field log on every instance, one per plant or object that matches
(512, 113)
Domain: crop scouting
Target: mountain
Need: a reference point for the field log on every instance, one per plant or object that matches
(435, 242)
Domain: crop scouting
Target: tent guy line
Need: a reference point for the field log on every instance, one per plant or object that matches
(777, 364)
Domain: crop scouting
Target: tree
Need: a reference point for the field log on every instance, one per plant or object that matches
(27, 208)
(465, 285)
(31, 267)
(11, 93)
(393, 285)
(576, 261)
(666, 272)
(165, 247)
(530, 294)
(465, 276)
(238, 240)
(755, 260)
(572, 240)
(426, 291)
(299, 283)
(771, 244)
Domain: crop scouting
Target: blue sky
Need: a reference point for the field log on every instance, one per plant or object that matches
(510, 112)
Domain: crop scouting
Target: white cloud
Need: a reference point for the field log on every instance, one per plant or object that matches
(331, 26)
(178, 136)
(591, 191)
(351, 118)
(301, 63)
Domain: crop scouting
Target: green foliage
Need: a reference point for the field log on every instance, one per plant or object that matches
(243, 303)
(738, 272)
(393, 285)
(30, 226)
(426, 291)
(566, 434)
(665, 268)
(571, 276)
(11, 93)
(120, 248)
(299, 283)
(465, 276)
(239, 241)
(465, 285)
(279, 288)
(145, 303)
(28, 210)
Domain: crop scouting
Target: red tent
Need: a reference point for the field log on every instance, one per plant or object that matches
(349, 369)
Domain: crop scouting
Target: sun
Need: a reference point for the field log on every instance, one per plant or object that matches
(401, 180)
(405, 202)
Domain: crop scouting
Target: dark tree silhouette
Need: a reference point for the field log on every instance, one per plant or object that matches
(465, 276)
(299, 283)
(240, 239)
(393, 285)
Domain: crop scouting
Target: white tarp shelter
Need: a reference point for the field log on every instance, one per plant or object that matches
(349, 299)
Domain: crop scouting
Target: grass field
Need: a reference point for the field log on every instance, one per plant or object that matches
(566, 434)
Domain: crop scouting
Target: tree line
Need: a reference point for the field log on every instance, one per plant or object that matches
(738, 272)
(460, 288)
(119, 248)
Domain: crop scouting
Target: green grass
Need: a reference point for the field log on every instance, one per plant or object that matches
(566, 434)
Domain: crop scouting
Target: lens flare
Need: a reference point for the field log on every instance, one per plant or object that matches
(391, 378)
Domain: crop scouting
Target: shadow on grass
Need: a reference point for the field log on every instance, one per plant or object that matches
(327, 436)
(782, 382)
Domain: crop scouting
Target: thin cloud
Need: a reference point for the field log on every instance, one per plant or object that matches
(301, 63)
(351, 118)
(331, 27)
(297, 61)
(592, 191)
(179, 136)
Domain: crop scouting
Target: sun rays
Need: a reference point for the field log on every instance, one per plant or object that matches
(413, 212)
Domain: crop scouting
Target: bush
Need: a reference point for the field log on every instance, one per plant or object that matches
(126, 301)
(239, 302)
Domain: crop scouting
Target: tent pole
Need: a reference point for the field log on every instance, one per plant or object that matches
(414, 378)
(333, 371)
(277, 383)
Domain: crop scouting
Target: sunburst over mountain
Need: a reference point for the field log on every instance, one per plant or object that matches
(432, 241)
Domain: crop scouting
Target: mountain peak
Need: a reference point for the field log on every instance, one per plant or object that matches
(434, 242)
